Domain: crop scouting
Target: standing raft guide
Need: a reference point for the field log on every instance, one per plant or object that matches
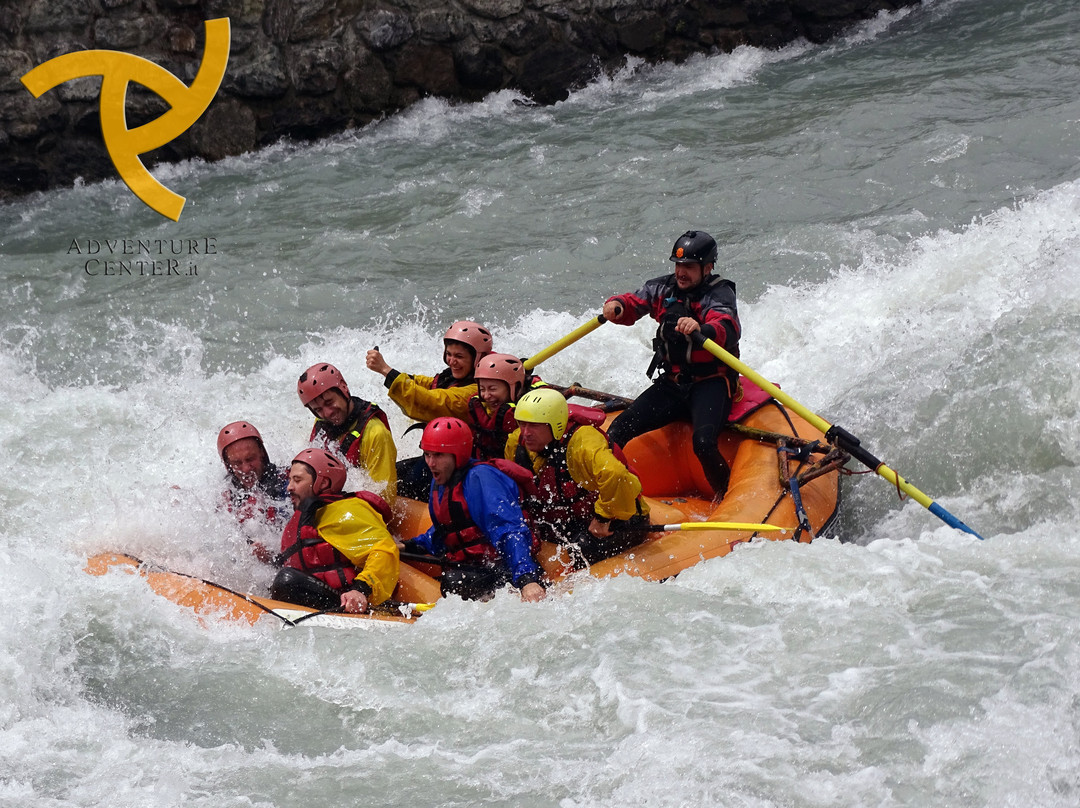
(711, 455)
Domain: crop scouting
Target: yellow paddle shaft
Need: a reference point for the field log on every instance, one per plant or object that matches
(569, 339)
(813, 418)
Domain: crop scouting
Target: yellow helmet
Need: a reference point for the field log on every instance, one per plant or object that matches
(544, 406)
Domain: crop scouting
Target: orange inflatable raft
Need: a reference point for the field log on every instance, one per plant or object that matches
(783, 473)
(415, 593)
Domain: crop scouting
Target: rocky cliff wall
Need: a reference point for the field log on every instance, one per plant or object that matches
(308, 68)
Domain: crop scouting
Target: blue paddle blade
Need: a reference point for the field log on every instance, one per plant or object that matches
(951, 520)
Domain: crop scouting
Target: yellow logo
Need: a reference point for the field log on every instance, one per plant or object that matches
(116, 70)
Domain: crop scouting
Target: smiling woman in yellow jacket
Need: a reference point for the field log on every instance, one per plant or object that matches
(425, 398)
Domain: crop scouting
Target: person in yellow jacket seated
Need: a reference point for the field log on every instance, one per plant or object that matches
(585, 495)
(349, 425)
(425, 398)
(336, 551)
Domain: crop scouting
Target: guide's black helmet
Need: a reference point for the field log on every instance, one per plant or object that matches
(695, 246)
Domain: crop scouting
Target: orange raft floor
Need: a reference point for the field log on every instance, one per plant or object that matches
(676, 489)
(672, 481)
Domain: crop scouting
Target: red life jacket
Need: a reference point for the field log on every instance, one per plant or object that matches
(245, 505)
(461, 536)
(490, 431)
(580, 414)
(267, 501)
(446, 379)
(558, 499)
(350, 439)
(304, 549)
(520, 474)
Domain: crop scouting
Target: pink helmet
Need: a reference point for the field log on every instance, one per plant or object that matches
(504, 368)
(231, 433)
(319, 378)
(449, 436)
(472, 334)
(326, 467)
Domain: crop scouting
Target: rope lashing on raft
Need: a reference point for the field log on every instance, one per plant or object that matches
(801, 454)
(836, 435)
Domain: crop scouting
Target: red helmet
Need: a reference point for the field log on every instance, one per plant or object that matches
(326, 467)
(319, 378)
(472, 334)
(449, 436)
(231, 433)
(504, 368)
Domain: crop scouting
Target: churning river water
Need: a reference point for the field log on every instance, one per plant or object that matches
(901, 212)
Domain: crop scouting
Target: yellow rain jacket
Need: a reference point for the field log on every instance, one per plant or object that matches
(357, 530)
(375, 452)
(378, 455)
(594, 467)
(419, 402)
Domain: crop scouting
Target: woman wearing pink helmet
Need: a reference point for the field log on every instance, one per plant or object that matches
(501, 381)
(423, 398)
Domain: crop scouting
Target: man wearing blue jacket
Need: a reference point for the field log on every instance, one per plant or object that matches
(477, 523)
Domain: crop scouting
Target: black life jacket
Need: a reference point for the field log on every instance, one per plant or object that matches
(675, 353)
